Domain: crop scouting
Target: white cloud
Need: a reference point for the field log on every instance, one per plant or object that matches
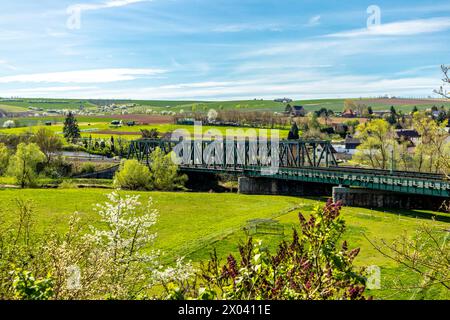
(314, 21)
(336, 86)
(232, 28)
(291, 48)
(84, 76)
(41, 90)
(105, 5)
(402, 28)
(6, 64)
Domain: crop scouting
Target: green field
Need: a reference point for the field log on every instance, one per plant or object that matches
(47, 104)
(11, 108)
(204, 106)
(219, 219)
(105, 130)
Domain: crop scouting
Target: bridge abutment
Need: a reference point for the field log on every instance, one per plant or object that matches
(268, 186)
(358, 197)
(353, 197)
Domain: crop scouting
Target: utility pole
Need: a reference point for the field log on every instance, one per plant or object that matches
(392, 158)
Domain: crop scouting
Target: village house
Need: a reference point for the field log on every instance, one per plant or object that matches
(409, 135)
(349, 113)
(351, 144)
(295, 111)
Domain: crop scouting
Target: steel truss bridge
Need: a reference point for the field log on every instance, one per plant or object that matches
(303, 161)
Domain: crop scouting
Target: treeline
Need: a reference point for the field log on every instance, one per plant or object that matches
(257, 119)
(382, 147)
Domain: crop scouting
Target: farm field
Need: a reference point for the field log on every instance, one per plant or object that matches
(220, 219)
(46, 104)
(11, 108)
(337, 105)
(105, 130)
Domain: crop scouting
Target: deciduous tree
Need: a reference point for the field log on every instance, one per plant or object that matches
(164, 173)
(4, 158)
(377, 143)
(24, 163)
(48, 142)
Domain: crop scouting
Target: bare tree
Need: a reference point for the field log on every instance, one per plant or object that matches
(446, 81)
(426, 254)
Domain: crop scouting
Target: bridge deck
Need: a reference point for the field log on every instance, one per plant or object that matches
(397, 181)
(300, 160)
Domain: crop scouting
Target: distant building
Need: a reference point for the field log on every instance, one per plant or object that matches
(283, 100)
(436, 114)
(295, 111)
(351, 143)
(381, 113)
(339, 127)
(410, 136)
(349, 113)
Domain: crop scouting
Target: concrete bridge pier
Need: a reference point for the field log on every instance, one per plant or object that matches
(352, 197)
(268, 186)
(358, 197)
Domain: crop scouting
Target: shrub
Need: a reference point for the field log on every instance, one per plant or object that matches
(9, 124)
(67, 184)
(113, 260)
(132, 175)
(23, 164)
(87, 167)
(27, 287)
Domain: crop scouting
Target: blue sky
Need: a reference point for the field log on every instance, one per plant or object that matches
(221, 49)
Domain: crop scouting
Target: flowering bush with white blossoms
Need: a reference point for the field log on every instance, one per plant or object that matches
(126, 239)
(113, 260)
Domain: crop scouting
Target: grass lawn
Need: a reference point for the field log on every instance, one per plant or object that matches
(193, 224)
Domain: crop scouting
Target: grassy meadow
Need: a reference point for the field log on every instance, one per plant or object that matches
(194, 224)
(105, 130)
(337, 105)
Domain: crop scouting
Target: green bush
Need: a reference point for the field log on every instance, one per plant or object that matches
(27, 287)
(67, 184)
(87, 167)
(132, 175)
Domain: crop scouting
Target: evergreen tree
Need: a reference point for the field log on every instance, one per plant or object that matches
(294, 133)
(71, 130)
(393, 111)
(113, 149)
